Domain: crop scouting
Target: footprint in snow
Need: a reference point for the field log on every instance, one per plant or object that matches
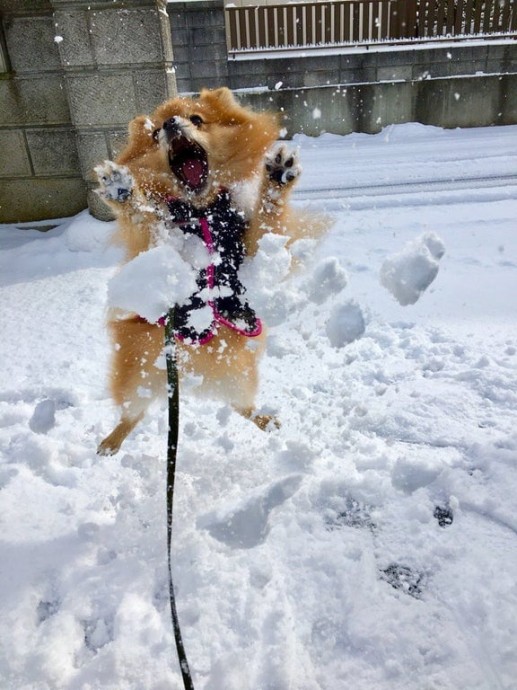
(98, 632)
(403, 578)
(47, 608)
(248, 525)
(352, 513)
(444, 515)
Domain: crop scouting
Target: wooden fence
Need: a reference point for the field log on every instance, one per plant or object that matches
(344, 22)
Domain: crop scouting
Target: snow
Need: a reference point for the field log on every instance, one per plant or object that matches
(168, 279)
(345, 324)
(368, 543)
(410, 272)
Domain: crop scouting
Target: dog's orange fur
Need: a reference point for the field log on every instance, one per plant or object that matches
(235, 140)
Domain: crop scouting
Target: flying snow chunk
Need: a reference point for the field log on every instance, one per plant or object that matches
(152, 283)
(263, 276)
(346, 324)
(328, 278)
(408, 274)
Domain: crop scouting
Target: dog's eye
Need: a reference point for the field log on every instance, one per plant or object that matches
(196, 120)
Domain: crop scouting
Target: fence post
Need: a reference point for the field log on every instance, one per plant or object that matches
(401, 21)
(117, 63)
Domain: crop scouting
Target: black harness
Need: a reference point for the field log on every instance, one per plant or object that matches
(221, 227)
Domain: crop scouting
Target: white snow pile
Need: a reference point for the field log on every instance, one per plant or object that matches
(371, 541)
(409, 273)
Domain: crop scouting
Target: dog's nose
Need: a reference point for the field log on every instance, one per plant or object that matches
(172, 125)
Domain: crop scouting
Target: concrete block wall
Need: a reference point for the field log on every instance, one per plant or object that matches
(376, 65)
(77, 72)
(457, 86)
(199, 40)
(39, 160)
(457, 102)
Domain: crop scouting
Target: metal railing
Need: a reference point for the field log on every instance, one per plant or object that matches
(312, 24)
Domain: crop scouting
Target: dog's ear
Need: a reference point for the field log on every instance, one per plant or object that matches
(141, 126)
(140, 139)
(223, 97)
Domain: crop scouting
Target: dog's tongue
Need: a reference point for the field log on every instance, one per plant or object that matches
(193, 171)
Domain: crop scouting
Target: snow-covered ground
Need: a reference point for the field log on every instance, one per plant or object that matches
(371, 542)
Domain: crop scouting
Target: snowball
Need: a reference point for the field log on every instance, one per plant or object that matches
(152, 283)
(434, 244)
(346, 324)
(409, 273)
(328, 278)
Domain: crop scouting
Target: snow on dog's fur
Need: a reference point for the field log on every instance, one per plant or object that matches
(189, 150)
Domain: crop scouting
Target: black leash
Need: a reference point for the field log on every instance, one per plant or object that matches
(172, 448)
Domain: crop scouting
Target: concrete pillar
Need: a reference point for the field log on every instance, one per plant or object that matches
(116, 59)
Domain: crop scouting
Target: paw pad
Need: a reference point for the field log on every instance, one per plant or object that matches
(116, 182)
(282, 166)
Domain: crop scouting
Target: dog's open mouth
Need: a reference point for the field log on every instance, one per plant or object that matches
(188, 162)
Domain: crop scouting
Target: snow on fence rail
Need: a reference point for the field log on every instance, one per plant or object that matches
(364, 21)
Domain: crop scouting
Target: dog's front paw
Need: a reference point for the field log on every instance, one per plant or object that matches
(282, 166)
(116, 182)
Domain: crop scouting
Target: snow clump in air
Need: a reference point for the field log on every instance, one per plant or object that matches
(328, 278)
(346, 324)
(408, 274)
(263, 274)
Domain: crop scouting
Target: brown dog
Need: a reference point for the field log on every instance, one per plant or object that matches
(179, 169)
